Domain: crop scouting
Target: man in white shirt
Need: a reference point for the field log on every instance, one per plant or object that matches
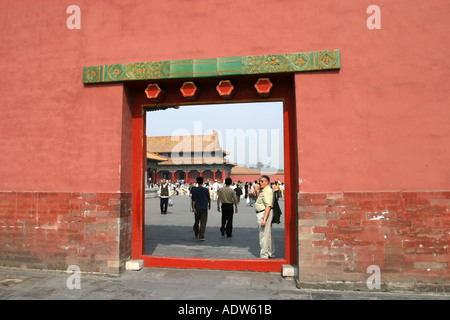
(164, 196)
(215, 189)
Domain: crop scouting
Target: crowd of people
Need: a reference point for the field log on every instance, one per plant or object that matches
(244, 190)
(259, 194)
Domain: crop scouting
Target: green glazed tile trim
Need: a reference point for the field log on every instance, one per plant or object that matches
(205, 68)
(115, 72)
(229, 66)
(261, 64)
(181, 69)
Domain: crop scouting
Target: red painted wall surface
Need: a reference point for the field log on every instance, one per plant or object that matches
(381, 123)
(378, 124)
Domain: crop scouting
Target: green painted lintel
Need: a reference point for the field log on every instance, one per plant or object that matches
(262, 64)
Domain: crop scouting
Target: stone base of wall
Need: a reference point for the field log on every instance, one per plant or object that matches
(54, 230)
(405, 234)
(340, 235)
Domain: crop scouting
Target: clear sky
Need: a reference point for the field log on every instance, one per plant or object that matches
(250, 132)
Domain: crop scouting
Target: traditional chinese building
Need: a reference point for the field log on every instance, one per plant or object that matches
(186, 158)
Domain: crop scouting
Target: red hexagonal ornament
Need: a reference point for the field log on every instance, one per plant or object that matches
(225, 89)
(190, 91)
(155, 93)
(263, 87)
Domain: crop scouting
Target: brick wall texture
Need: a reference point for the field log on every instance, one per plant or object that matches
(405, 234)
(55, 230)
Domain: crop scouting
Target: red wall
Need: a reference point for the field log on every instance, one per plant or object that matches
(404, 234)
(50, 230)
(378, 124)
(381, 123)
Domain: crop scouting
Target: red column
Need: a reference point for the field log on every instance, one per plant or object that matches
(214, 174)
(138, 187)
(173, 175)
(201, 173)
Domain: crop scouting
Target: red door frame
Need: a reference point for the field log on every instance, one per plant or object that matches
(283, 90)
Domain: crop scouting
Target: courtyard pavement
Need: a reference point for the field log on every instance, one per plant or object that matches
(172, 234)
(180, 286)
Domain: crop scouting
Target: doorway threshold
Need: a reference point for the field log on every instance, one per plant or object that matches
(257, 265)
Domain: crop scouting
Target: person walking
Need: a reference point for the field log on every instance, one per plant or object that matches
(164, 196)
(227, 197)
(276, 190)
(264, 216)
(238, 191)
(201, 202)
(215, 189)
(246, 190)
(251, 194)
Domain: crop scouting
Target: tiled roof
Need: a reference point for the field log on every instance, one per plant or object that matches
(198, 143)
(154, 156)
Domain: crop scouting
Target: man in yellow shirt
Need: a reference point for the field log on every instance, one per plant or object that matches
(264, 215)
